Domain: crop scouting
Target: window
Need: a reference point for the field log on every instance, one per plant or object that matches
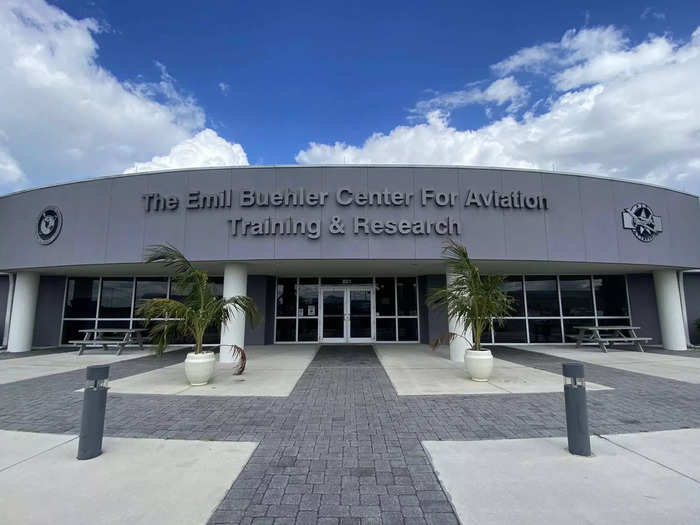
(81, 297)
(115, 300)
(150, 289)
(542, 296)
(610, 295)
(585, 300)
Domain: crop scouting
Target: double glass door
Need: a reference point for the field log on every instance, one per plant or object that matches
(346, 314)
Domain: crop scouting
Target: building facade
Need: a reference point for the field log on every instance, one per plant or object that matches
(349, 253)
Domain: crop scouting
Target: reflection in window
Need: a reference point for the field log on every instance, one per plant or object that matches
(408, 329)
(386, 329)
(545, 331)
(150, 289)
(610, 295)
(511, 331)
(406, 296)
(115, 300)
(384, 296)
(81, 297)
(576, 296)
(542, 297)
(286, 297)
(308, 300)
(513, 287)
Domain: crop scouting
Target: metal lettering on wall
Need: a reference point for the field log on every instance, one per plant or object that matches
(344, 197)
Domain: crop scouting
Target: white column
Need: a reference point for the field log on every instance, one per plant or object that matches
(668, 304)
(458, 346)
(23, 312)
(233, 333)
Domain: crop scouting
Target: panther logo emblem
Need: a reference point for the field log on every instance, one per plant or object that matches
(48, 225)
(641, 220)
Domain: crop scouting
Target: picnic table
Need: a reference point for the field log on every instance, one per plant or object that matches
(104, 337)
(609, 335)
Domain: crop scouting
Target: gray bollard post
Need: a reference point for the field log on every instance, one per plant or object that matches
(94, 403)
(576, 409)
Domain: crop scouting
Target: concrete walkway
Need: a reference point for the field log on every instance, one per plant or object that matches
(631, 479)
(135, 481)
(270, 371)
(32, 366)
(677, 367)
(417, 370)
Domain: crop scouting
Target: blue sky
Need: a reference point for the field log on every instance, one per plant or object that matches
(273, 77)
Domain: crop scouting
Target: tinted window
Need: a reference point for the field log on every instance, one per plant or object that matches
(286, 298)
(308, 300)
(286, 329)
(81, 297)
(115, 300)
(511, 331)
(513, 286)
(150, 289)
(542, 298)
(406, 296)
(384, 297)
(386, 329)
(408, 329)
(576, 296)
(308, 329)
(545, 331)
(610, 294)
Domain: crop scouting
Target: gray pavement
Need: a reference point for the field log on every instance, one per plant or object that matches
(344, 447)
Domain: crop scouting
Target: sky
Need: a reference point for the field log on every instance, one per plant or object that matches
(94, 88)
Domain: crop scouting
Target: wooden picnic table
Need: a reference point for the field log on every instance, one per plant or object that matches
(119, 337)
(611, 334)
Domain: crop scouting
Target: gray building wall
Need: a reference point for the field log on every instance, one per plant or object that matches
(435, 318)
(642, 298)
(691, 283)
(49, 311)
(105, 220)
(257, 290)
(4, 288)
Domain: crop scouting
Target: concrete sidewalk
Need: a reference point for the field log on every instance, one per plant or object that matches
(630, 479)
(677, 367)
(135, 481)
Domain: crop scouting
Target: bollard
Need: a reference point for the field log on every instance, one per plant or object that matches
(576, 409)
(94, 403)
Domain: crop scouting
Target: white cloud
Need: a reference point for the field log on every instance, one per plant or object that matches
(206, 148)
(623, 110)
(63, 116)
(224, 87)
(499, 92)
(650, 12)
(574, 46)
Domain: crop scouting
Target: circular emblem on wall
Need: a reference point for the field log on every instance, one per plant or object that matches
(641, 220)
(48, 225)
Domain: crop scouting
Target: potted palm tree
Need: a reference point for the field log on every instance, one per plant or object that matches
(193, 315)
(475, 301)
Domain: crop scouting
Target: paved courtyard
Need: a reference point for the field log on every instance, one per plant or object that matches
(343, 446)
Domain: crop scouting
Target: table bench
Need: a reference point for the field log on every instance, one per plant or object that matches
(120, 337)
(610, 335)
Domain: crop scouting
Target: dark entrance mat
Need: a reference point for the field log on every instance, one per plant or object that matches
(332, 356)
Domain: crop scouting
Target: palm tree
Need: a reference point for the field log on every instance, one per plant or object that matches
(474, 300)
(199, 309)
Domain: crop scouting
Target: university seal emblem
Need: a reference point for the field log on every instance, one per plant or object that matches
(48, 225)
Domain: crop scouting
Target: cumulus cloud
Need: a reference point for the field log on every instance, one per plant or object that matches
(498, 92)
(63, 116)
(206, 148)
(613, 108)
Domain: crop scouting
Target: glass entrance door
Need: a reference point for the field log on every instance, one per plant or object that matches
(333, 315)
(360, 314)
(347, 314)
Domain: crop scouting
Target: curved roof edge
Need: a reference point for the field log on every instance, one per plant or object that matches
(440, 166)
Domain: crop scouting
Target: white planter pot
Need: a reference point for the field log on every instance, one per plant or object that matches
(199, 368)
(478, 364)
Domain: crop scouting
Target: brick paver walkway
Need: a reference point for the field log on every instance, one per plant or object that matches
(343, 447)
